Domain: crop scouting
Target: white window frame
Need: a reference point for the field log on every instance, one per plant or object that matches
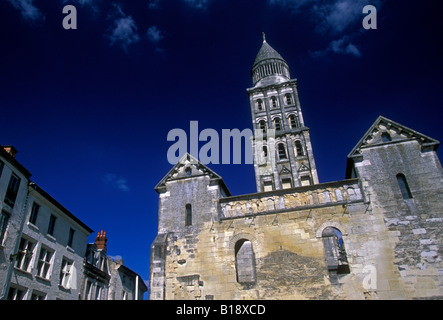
(44, 263)
(66, 273)
(24, 255)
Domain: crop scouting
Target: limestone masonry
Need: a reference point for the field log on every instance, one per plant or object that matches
(374, 235)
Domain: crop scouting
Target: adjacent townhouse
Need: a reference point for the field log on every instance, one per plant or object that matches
(44, 250)
(43, 244)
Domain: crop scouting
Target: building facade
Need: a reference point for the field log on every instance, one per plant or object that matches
(43, 244)
(108, 279)
(374, 235)
(44, 250)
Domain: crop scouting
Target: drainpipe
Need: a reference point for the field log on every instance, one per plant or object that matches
(136, 287)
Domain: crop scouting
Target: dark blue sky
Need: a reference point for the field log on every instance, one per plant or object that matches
(89, 109)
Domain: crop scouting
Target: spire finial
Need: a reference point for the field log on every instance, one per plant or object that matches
(264, 37)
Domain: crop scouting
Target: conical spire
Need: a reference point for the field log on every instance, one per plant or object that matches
(269, 63)
(266, 52)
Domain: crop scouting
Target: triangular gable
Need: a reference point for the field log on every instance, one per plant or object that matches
(302, 167)
(179, 171)
(285, 170)
(397, 132)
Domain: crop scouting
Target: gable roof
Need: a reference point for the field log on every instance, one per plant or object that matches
(402, 133)
(188, 160)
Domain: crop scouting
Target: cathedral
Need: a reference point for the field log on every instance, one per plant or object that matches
(374, 235)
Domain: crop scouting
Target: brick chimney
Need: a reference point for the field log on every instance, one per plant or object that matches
(11, 150)
(100, 241)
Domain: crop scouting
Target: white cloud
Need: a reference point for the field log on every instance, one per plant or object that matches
(340, 46)
(332, 16)
(337, 18)
(124, 30)
(27, 9)
(345, 47)
(117, 182)
(198, 4)
(153, 4)
(154, 34)
(116, 257)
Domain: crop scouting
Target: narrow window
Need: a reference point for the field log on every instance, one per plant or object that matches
(98, 293)
(288, 99)
(265, 151)
(274, 102)
(38, 295)
(16, 294)
(277, 123)
(244, 262)
(281, 151)
(386, 137)
(11, 193)
(299, 148)
(65, 274)
(4, 218)
(293, 121)
(260, 105)
(188, 215)
(51, 225)
(71, 237)
(24, 254)
(34, 213)
(335, 252)
(44, 263)
(404, 187)
(88, 290)
(262, 125)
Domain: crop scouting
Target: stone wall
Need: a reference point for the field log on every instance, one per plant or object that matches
(415, 223)
(276, 245)
(286, 243)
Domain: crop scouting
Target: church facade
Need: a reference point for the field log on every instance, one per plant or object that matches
(374, 235)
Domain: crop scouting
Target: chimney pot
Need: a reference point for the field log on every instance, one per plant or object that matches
(101, 240)
(11, 150)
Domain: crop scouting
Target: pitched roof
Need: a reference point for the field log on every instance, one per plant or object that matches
(178, 172)
(43, 193)
(373, 137)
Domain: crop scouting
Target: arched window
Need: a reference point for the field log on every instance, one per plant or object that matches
(274, 102)
(386, 137)
(262, 125)
(299, 148)
(293, 121)
(281, 151)
(188, 215)
(188, 171)
(277, 124)
(288, 98)
(335, 252)
(244, 262)
(259, 104)
(404, 187)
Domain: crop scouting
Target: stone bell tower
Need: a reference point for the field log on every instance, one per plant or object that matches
(282, 145)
